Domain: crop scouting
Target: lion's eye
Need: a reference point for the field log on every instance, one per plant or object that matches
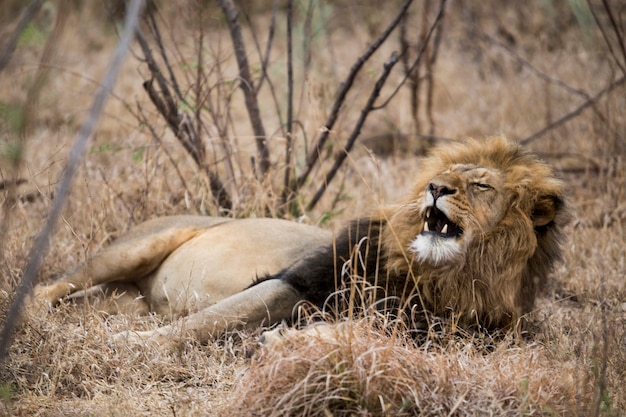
(481, 186)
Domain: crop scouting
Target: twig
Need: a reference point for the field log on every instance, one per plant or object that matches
(316, 150)
(369, 107)
(430, 63)
(616, 30)
(438, 19)
(289, 145)
(523, 62)
(265, 57)
(306, 63)
(180, 124)
(156, 33)
(40, 246)
(575, 112)
(12, 183)
(144, 120)
(167, 106)
(265, 62)
(548, 79)
(28, 15)
(247, 85)
(29, 109)
(411, 76)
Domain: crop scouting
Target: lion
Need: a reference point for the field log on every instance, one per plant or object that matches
(475, 241)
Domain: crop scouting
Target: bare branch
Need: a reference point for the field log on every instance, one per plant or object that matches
(574, 113)
(289, 145)
(438, 19)
(156, 33)
(144, 120)
(28, 15)
(412, 76)
(523, 62)
(180, 123)
(183, 129)
(369, 107)
(265, 57)
(168, 104)
(30, 109)
(430, 63)
(265, 62)
(40, 246)
(247, 85)
(344, 87)
(616, 30)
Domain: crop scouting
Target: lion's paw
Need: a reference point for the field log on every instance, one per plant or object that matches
(272, 336)
(145, 338)
(50, 295)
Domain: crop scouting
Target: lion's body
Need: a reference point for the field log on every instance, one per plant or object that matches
(181, 264)
(474, 241)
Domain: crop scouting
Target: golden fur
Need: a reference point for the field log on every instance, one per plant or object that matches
(502, 267)
(474, 240)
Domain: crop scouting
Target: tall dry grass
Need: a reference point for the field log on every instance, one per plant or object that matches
(573, 364)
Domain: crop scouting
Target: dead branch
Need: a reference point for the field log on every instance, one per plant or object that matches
(265, 56)
(6, 184)
(180, 123)
(166, 106)
(289, 144)
(369, 107)
(574, 113)
(156, 33)
(144, 120)
(30, 108)
(316, 150)
(247, 85)
(40, 246)
(616, 30)
(28, 15)
(183, 129)
(526, 64)
(411, 76)
(432, 60)
(422, 51)
(264, 63)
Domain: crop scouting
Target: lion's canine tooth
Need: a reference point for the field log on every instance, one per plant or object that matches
(426, 229)
(428, 213)
(444, 230)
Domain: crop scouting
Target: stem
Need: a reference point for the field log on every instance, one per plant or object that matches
(40, 246)
(247, 85)
(344, 87)
(342, 155)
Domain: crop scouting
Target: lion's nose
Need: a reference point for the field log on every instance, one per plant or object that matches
(437, 190)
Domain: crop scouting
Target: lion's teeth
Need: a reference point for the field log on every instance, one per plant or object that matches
(445, 229)
(426, 229)
(428, 213)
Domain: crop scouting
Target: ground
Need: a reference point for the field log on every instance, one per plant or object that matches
(513, 72)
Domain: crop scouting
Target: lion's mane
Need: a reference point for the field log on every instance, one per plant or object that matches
(503, 270)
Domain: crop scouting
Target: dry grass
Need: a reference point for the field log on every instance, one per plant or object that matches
(573, 364)
(359, 372)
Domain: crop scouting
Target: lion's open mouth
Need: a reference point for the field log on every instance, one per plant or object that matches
(436, 222)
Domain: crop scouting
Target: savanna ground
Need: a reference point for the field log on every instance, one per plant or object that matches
(511, 68)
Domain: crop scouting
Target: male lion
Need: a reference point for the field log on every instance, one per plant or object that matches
(474, 242)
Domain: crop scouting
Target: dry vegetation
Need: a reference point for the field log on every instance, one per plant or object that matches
(511, 68)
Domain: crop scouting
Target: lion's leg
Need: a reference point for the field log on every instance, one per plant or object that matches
(127, 260)
(113, 298)
(267, 303)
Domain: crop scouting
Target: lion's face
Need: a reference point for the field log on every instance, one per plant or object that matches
(459, 206)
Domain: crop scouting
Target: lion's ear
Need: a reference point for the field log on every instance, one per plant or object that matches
(545, 210)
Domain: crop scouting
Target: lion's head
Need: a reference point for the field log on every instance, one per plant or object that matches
(480, 231)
